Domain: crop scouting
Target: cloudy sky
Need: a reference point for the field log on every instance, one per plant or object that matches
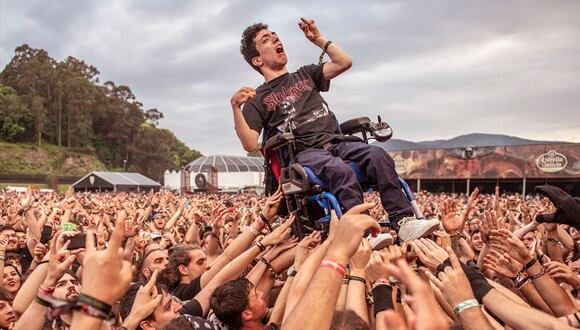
(432, 69)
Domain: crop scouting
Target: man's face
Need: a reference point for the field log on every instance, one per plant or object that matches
(257, 304)
(198, 263)
(21, 239)
(476, 242)
(271, 51)
(529, 239)
(67, 288)
(7, 315)
(164, 313)
(473, 225)
(159, 222)
(10, 236)
(156, 260)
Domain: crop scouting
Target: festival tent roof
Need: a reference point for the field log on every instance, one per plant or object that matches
(226, 164)
(116, 181)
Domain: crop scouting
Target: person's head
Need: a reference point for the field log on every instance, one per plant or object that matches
(262, 48)
(473, 225)
(238, 302)
(7, 315)
(21, 236)
(347, 320)
(186, 262)
(154, 259)
(575, 263)
(15, 260)
(67, 287)
(476, 241)
(159, 221)
(8, 233)
(574, 233)
(11, 279)
(529, 239)
(210, 242)
(162, 315)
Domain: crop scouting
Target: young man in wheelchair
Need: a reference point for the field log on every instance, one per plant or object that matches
(318, 142)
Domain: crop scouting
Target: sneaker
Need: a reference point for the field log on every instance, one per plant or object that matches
(412, 228)
(381, 241)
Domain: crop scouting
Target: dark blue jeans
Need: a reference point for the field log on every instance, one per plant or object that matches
(328, 163)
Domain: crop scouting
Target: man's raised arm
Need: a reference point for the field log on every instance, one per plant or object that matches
(340, 61)
(248, 137)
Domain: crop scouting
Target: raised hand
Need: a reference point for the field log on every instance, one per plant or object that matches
(106, 276)
(59, 260)
(430, 254)
(504, 240)
(562, 273)
(242, 96)
(280, 233)
(502, 263)
(146, 300)
(272, 204)
(308, 26)
(453, 282)
(427, 315)
(360, 259)
(350, 231)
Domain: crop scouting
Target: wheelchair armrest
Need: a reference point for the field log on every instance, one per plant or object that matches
(278, 141)
(354, 125)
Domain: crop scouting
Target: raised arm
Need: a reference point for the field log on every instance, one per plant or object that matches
(340, 61)
(248, 137)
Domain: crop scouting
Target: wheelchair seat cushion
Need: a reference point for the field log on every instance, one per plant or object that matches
(316, 180)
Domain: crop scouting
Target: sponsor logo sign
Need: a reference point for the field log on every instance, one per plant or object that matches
(552, 161)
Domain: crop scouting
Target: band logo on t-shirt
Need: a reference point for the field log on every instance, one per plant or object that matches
(272, 100)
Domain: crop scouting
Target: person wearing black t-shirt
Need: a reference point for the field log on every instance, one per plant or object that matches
(319, 143)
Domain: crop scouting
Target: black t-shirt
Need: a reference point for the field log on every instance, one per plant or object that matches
(315, 123)
(192, 307)
(187, 291)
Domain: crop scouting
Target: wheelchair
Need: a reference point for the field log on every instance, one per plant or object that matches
(307, 195)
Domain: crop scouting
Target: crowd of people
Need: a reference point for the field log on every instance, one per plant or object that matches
(217, 261)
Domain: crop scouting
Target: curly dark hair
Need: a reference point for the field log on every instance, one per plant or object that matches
(248, 46)
(229, 300)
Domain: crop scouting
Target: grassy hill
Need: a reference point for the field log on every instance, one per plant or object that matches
(46, 160)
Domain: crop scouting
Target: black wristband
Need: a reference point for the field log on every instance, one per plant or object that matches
(326, 45)
(260, 246)
(530, 263)
(478, 282)
(383, 298)
(96, 303)
(441, 267)
(357, 278)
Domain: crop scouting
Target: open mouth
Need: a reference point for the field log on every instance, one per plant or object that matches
(280, 49)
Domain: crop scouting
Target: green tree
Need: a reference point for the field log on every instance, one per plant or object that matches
(15, 116)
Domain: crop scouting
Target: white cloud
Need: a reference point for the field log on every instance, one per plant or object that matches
(433, 69)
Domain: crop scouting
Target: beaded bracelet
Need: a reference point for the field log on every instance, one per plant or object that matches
(460, 307)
